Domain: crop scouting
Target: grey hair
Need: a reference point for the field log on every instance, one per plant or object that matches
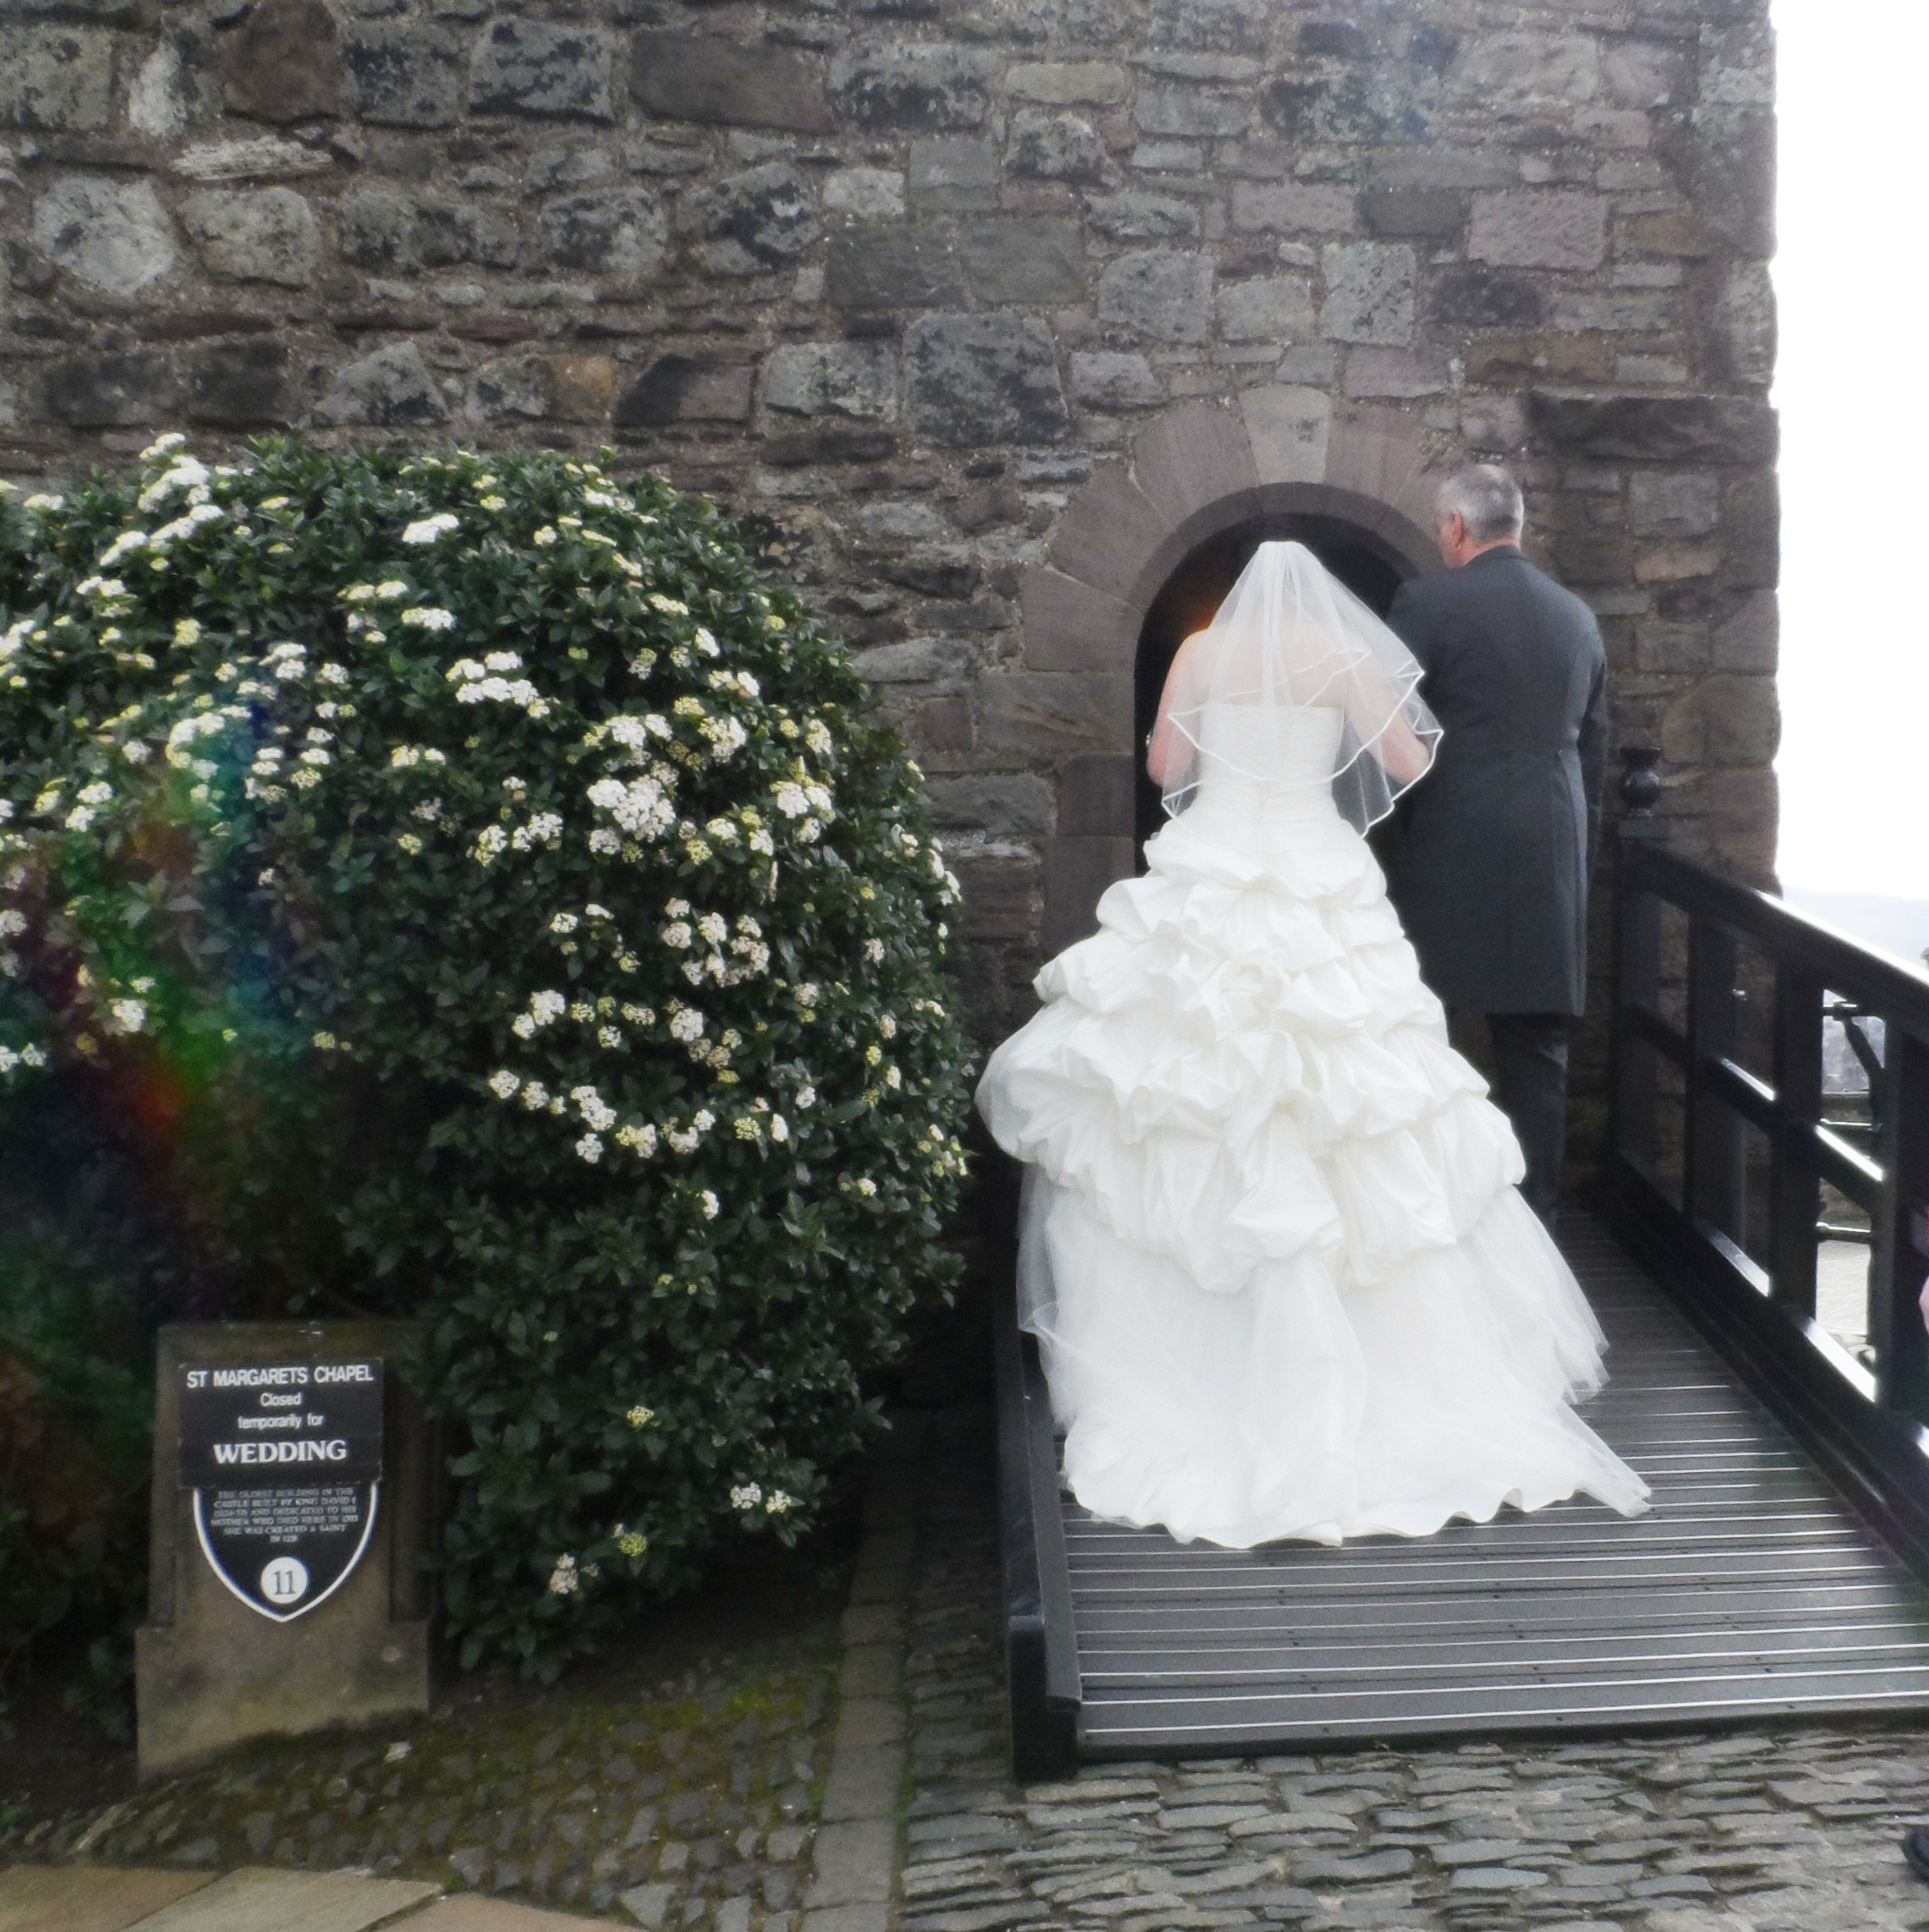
(1488, 499)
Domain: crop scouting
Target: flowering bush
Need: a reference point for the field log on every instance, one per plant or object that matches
(459, 886)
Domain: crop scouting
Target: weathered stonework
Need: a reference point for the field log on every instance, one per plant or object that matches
(982, 312)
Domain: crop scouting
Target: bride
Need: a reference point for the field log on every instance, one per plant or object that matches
(1272, 1247)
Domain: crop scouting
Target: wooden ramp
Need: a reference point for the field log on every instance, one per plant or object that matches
(1750, 1590)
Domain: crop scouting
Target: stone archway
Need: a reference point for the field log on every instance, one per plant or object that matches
(1192, 472)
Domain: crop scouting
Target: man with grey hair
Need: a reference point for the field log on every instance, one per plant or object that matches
(1488, 864)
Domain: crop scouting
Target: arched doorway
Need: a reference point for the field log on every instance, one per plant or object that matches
(1368, 565)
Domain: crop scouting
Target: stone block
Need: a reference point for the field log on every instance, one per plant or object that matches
(1140, 215)
(1431, 214)
(109, 390)
(175, 88)
(262, 234)
(1377, 452)
(852, 1862)
(1726, 719)
(521, 66)
(913, 87)
(1751, 531)
(681, 388)
(1658, 429)
(1014, 804)
(919, 660)
(1722, 158)
(1105, 379)
(1369, 292)
(1745, 324)
(1190, 457)
(390, 389)
(1400, 373)
(608, 231)
(702, 77)
(1069, 625)
(1272, 308)
(1077, 871)
(403, 73)
(260, 157)
(875, 265)
(1025, 260)
(948, 173)
(868, 1918)
(1190, 111)
(865, 194)
(1098, 798)
(1677, 503)
(1165, 293)
(1747, 641)
(971, 380)
(86, 1899)
(297, 1901)
(1645, 74)
(1046, 717)
(1289, 428)
(381, 229)
(829, 443)
(845, 378)
(1549, 228)
(283, 63)
(1108, 533)
(1486, 298)
(542, 387)
(239, 385)
(1524, 72)
(112, 234)
(1069, 84)
(1265, 207)
(1045, 146)
(56, 79)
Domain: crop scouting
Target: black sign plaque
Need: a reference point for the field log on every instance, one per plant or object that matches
(284, 1459)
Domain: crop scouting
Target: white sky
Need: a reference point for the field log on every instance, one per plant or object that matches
(1852, 384)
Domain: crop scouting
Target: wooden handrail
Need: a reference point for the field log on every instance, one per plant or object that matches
(1747, 1232)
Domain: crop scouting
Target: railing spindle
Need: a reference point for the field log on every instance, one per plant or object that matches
(1634, 1095)
(1713, 1174)
(1898, 1264)
(1795, 1175)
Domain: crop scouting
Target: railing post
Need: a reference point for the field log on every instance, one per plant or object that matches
(1713, 1178)
(1899, 1263)
(1795, 1175)
(1633, 1134)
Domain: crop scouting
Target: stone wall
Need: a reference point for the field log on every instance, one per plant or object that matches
(981, 311)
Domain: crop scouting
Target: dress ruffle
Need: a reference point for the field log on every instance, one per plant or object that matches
(1274, 1248)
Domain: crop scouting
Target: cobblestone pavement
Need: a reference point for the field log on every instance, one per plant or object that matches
(1793, 1830)
(674, 1801)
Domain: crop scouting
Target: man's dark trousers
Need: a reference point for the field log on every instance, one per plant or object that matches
(1530, 1081)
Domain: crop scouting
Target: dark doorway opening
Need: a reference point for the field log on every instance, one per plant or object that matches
(1370, 568)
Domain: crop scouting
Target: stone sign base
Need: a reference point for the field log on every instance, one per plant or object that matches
(211, 1671)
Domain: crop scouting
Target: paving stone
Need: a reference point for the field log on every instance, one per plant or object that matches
(83, 1898)
(473, 1914)
(249, 1900)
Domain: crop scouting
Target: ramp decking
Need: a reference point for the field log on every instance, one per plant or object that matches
(1750, 1590)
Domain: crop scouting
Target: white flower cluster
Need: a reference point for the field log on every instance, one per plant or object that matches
(431, 529)
(749, 1496)
(641, 807)
(429, 617)
(480, 683)
(565, 1579)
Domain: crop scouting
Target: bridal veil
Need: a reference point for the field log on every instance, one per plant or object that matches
(1291, 637)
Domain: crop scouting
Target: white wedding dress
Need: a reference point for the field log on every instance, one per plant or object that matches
(1273, 1250)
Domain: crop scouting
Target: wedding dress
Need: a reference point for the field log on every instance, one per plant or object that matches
(1272, 1247)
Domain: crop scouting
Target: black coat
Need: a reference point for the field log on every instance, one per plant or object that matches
(1488, 863)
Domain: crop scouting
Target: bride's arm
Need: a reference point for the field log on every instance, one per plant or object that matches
(1402, 753)
(1170, 751)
